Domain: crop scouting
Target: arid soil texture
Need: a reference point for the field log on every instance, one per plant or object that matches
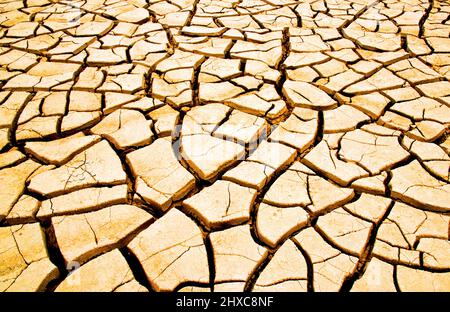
(237, 145)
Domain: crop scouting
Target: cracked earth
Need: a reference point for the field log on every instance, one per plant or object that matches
(238, 145)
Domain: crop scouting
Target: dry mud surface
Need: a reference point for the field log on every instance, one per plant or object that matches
(202, 145)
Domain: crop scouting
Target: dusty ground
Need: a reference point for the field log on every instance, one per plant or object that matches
(200, 145)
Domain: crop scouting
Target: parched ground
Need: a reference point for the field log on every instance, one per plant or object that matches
(203, 145)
